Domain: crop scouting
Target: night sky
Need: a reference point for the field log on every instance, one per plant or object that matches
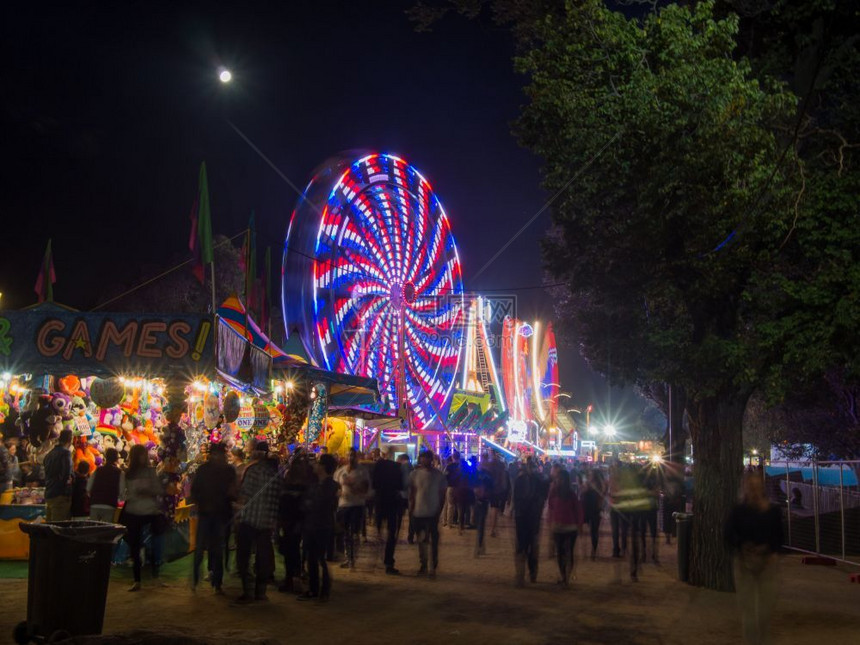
(108, 108)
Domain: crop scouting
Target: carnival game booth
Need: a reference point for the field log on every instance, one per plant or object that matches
(283, 397)
(108, 377)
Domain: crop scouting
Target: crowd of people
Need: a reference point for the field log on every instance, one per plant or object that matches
(315, 511)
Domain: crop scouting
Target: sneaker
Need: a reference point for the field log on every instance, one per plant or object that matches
(423, 570)
(432, 574)
(261, 597)
(306, 596)
(346, 564)
(244, 599)
(217, 591)
(134, 587)
(391, 571)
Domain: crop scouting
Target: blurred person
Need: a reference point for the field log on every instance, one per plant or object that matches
(142, 491)
(319, 508)
(652, 488)
(453, 474)
(753, 532)
(529, 497)
(619, 524)
(260, 494)
(59, 474)
(213, 491)
(593, 500)
(406, 471)
(483, 492)
(501, 490)
(354, 482)
(10, 471)
(80, 506)
(104, 488)
(427, 491)
(290, 520)
(565, 519)
(387, 483)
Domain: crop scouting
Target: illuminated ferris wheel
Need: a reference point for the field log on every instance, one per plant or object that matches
(381, 279)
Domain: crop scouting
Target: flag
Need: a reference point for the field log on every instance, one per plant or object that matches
(200, 241)
(266, 305)
(47, 277)
(194, 245)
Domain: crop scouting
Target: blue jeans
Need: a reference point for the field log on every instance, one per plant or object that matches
(210, 537)
(481, 508)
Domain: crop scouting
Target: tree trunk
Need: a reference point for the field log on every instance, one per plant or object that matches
(677, 433)
(716, 428)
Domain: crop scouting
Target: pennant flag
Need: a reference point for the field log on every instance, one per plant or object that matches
(200, 241)
(47, 277)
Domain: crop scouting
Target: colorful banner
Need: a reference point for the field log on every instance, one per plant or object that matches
(49, 339)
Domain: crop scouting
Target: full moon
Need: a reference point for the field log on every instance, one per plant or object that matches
(224, 75)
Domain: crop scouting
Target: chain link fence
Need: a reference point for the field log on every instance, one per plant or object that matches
(821, 506)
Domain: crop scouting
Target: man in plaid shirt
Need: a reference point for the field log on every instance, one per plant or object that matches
(260, 493)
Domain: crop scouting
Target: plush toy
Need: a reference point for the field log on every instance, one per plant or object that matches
(70, 386)
(109, 423)
(61, 404)
(81, 421)
(84, 451)
(39, 423)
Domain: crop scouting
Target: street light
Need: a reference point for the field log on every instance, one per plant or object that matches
(224, 75)
(609, 430)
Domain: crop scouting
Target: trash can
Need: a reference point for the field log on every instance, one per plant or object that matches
(68, 578)
(684, 526)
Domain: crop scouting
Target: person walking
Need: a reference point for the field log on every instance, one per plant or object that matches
(593, 500)
(58, 479)
(260, 494)
(388, 486)
(528, 500)
(213, 491)
(453, 474)
(320, 507)
(565, 520)
(753, 532)
(104, 488)
(619, 523)
(142, 491)
(298, 478)
(354, 487)
(427, 490)
(501, 491)
(483, 497)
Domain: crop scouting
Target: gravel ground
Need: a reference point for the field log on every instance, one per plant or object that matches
(471, 601)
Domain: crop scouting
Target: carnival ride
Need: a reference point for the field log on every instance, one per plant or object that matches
(373, 284)
(530, 377)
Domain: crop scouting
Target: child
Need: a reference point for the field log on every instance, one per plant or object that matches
(80, 497)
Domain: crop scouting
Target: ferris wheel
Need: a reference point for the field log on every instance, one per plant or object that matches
(375, 278)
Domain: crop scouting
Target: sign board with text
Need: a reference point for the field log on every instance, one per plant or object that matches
(49, 339)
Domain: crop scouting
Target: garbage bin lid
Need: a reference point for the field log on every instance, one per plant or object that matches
(78, 530)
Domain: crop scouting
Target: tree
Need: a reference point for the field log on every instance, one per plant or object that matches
(662, 235)
(179, 291)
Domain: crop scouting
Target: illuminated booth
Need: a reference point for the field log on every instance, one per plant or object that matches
(107, 378)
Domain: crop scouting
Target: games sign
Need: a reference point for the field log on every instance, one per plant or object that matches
(51, 340)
